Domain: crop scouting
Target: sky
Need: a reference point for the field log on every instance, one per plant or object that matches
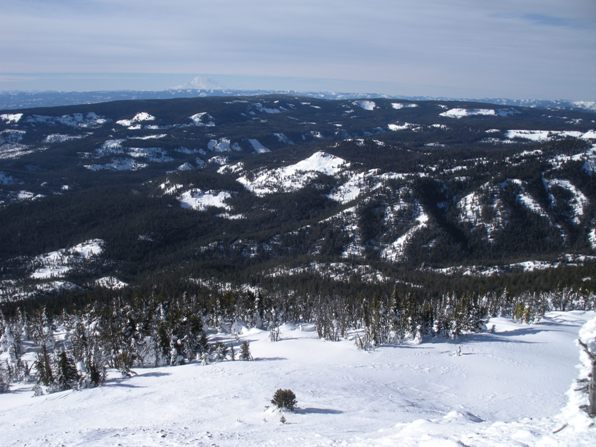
(458, 48)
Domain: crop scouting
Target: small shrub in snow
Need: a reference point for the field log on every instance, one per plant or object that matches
(37, 390)
(274, 334)
(221, 351)
(284, 399)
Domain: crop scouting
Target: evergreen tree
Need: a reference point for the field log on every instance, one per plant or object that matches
(284, 399)
(245, 351)
(43, 366)
(4, 387)
(67, 375)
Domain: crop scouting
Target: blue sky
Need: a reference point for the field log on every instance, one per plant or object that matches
(455, 48)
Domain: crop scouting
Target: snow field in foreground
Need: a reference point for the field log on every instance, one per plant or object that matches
(405, 395)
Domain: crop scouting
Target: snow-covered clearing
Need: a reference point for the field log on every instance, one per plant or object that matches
(61, 138)
(200, 200)
(547, 135)
(462, 113)
(394, 396)
(356, 185)
(138, 118)
(578, 202)
(271, 110)
(6, 179)
(398, 126)
(223, 145)
(149, 137)
(283, 138)
(337, 271)
(365, 105)
(202, 119)
(396, 250)
(110, 282)
(8, 136)
(401, 105)
(89, 120)
(568, 259)
(118, 164)
(258, 146)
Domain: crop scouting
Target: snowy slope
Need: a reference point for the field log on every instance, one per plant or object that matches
(409, 395)
(56, 264)
(293, 177)
(138, 118)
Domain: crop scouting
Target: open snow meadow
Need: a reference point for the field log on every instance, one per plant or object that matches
(505, 387)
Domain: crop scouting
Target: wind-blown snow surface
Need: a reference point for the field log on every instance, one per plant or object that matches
(395, 396)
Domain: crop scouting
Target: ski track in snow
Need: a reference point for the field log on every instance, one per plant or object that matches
(406, 395)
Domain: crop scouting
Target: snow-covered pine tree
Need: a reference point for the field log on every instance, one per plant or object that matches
(221, 352)
(43, 366)
(274, 334)
(67, 376)
(176, 349)
(245, 351)
(4, 387)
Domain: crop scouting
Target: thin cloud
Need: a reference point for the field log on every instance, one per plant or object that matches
(517, 48)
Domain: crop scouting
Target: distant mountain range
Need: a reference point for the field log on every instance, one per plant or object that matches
(20, 99)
